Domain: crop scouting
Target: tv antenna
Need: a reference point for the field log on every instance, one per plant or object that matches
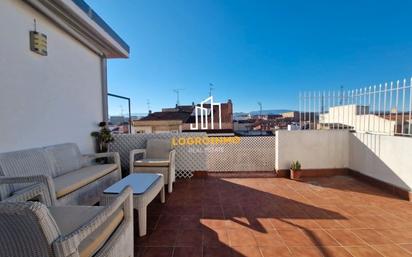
(211, 88)
(260, 117)
(121, 110)
(260, 109)
(148, 105)
(177, 91)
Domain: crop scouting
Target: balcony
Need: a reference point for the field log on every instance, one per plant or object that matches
(232, 196)
(351, 201)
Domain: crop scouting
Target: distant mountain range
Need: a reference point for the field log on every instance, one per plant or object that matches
(265, 112)
(236, 114)
(139, 114)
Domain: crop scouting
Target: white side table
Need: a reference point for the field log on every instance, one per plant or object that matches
(145, 188)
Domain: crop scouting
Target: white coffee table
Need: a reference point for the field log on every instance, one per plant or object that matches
(145, 188)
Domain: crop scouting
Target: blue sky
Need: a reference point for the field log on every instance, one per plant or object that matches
(253, 51)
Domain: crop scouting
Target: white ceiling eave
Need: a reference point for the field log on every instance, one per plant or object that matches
(73, 20)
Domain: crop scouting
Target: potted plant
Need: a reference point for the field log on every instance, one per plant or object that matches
(295, 170)
(103, 137)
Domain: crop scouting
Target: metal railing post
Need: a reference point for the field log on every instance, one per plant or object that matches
(130, 114)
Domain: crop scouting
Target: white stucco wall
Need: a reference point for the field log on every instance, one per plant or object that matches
(45, 99)
(146, 129)
(315, 149)
(387, 158)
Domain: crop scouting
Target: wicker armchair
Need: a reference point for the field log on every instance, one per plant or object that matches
(35, 192)
(32, 229)
(158, 157)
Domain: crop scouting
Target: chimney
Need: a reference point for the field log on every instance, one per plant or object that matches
(150, 112)
(230, 109)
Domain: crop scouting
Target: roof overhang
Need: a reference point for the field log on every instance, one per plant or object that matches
(80, 21)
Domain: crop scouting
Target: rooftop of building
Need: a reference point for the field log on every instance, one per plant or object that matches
(157, 116)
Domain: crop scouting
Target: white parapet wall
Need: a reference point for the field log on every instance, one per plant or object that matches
(381, 157)
(386, 158)
(314, 149)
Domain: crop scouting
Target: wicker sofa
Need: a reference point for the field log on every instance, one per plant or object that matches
(70, 177)
(32, 229)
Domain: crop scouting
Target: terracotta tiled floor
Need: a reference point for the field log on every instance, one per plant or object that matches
(265, 217)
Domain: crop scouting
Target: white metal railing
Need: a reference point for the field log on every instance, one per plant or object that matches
(379, 109)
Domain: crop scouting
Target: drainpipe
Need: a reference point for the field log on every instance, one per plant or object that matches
(103, 64)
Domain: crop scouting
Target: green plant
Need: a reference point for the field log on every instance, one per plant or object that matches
(103, 137)
(295, 165)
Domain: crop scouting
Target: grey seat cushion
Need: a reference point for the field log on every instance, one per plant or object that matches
(70, 182)
(71, 218)
(152, 163)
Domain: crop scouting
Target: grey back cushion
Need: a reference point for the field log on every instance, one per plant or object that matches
(65, 158)
(24, 163)
(158, 148)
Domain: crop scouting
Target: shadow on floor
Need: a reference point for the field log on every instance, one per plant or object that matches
(242, 217)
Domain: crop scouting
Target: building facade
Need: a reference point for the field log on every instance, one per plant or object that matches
(58, 97)
(358, 118)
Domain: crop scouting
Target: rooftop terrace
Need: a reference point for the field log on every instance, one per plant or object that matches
(62, 95)
(265, 217)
